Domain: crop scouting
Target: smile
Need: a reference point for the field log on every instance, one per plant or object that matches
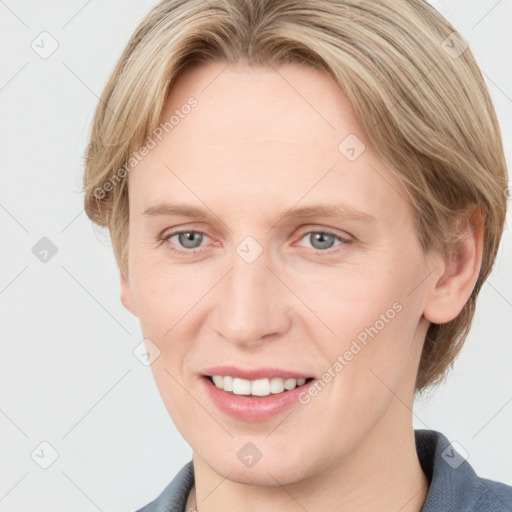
(257, 398)
(258, 387)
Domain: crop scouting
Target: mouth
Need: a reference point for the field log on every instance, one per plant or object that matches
(258, 387)
(255, 394)
(257, 400)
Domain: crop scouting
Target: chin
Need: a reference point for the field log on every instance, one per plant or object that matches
(271, 469)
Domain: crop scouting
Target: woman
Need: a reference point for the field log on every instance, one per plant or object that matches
(304, 200)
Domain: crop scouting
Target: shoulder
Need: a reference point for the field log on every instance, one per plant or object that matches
(174, 497)
(493, 496)
(454, 484)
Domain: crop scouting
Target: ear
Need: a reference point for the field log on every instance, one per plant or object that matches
(458, 271)
(127, 294)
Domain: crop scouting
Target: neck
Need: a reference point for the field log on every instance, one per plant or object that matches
(382, 473)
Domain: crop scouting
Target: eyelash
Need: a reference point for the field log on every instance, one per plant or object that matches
(167, 237)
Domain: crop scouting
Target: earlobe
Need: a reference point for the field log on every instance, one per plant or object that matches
(127, 295)
(451, 288)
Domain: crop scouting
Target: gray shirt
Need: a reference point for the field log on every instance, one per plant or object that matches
(454, 485)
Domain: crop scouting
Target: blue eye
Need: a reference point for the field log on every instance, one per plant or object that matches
(324, 240)
(189, 241)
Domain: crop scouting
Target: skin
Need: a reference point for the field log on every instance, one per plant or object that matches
(259, 142)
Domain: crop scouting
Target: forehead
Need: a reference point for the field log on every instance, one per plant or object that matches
(254, 107)
(259, 133)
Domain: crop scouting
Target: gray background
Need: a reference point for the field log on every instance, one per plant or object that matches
(68, 375)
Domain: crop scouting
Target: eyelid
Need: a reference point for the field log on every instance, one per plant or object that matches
(167, 236)
(329, 231)
(343, 239)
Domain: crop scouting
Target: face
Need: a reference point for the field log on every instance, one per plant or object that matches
(269, 244)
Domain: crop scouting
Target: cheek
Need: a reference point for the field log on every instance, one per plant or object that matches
(375, 344)
(356, 306)
(164, 294)
(375, 318)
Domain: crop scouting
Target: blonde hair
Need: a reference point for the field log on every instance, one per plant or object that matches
(416, 89)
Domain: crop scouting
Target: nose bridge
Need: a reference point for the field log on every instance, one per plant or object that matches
(251, 305)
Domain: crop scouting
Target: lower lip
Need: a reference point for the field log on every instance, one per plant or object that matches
(253, 408)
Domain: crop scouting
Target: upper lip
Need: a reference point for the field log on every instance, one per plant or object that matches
(254, 373)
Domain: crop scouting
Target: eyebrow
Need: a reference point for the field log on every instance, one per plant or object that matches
(303, 212)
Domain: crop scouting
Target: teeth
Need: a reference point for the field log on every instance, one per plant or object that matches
(241, 386)
(259, 387)
(218, 380)
(290, 383)
(227, 384)
(276, 385)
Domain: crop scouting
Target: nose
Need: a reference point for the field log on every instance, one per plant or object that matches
(253, 303)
